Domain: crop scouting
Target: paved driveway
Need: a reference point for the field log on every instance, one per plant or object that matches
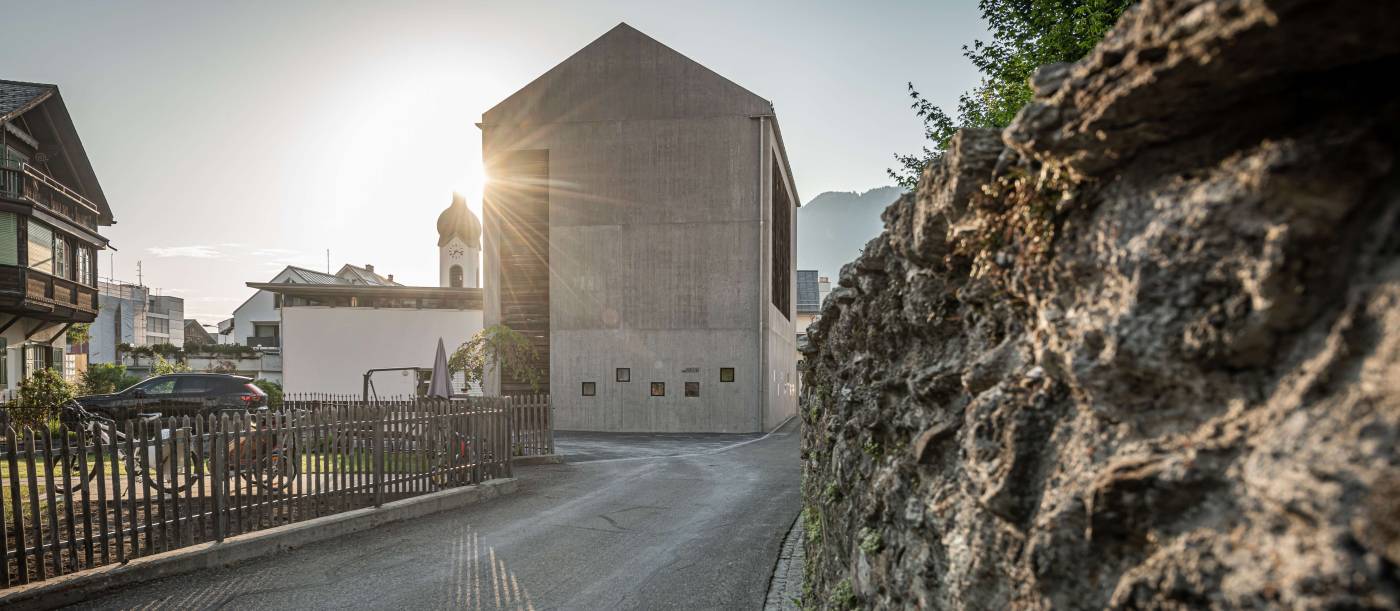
(638, 522)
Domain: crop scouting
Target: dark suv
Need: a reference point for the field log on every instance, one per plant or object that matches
(179, 394)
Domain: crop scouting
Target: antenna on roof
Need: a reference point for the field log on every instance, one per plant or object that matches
(328, 260)
(139, 281)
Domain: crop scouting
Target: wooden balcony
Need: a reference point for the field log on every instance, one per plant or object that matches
(26, 292)
(25, 182)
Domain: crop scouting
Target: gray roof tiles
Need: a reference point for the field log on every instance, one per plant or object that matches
(16, 96)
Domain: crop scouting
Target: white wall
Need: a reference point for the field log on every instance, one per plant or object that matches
(258, 308)
(470, 262)
(328, 349)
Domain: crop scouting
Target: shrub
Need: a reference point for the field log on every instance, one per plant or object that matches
(40, 397)
(273, 390)
(104, 378)
(162, 366)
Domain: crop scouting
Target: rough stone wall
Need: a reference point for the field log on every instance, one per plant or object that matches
(1140, 349)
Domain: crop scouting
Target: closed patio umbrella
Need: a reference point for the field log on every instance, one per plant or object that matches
(441, 385)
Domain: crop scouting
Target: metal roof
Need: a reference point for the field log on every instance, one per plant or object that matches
(308, 276)
(361, 275)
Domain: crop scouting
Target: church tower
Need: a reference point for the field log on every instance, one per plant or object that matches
(459, 246)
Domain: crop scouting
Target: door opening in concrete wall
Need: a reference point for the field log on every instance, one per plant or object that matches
(624, 374)
(658, 389)
(590, 389)
(692, 389)
(726, 374)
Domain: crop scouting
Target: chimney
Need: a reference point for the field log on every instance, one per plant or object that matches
(391, 277)
(369, 268)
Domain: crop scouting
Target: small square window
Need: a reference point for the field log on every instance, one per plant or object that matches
(658, 389)
(692, 389)
(590, 389)
(726, 374)
(624, 374)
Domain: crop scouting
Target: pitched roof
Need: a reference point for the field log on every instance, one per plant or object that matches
(359, 275)
(309, 276)
(625, 74)
(17, 97)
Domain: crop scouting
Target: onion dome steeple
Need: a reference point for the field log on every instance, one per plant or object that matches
(458, 221)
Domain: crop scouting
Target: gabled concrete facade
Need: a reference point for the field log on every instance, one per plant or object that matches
(630, 223)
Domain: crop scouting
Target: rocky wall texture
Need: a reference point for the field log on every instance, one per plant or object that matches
(1140, 349)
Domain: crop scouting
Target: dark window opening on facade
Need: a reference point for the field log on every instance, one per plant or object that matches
(782, 244)
(454, 275)
(692, 389)
(624, 374)
(658, 389)
(726, 374)
(590, 389)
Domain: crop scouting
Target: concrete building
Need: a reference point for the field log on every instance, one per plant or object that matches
(333, 332)
(135, 315)
(639, 227)
(51, 212)
(812, 289)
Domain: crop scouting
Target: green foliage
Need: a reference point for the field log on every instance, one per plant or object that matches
(812, 524)
(501, 347)
(166, 350)
(162, 366)
(273, 390)
(871, 448)
(870, 541)
(1026, 34)
(106, 378)
(79, 333)
(237, 351)
(40, 397)
(831, 493)
(842, 596)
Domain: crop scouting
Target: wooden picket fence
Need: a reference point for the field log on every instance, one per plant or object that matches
(82, 496)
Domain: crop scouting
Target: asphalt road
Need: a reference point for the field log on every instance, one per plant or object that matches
(632, 522)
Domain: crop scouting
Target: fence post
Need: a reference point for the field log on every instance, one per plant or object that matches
(549, 420)
(378, 457)
(220, 450)
(510, 436)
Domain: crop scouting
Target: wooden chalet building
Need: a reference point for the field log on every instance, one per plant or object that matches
(51, 211)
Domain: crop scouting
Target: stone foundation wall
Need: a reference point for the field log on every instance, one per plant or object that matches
(1141, 348)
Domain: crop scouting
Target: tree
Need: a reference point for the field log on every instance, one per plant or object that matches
(504, 349)
(105, 378)
(273, 390)
(1026, 34)
(79, 333)
(40, 397)
(162, 366)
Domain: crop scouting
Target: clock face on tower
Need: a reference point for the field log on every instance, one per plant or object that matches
(455, 252)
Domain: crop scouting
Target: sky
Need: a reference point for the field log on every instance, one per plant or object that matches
(233, 138)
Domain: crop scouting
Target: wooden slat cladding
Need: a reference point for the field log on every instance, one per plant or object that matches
(782, 244)
(518, 201)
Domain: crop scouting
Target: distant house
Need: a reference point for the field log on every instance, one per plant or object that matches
(195, 333)
(334, 329)
(639, 228)
(257, 321)
(51, 210)
(135, 315)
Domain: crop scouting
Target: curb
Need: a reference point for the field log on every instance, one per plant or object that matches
(538, 459)
(80, 586)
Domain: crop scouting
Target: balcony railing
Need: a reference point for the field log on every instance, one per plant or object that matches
(23, 181)
(263, 342)
(46, 295)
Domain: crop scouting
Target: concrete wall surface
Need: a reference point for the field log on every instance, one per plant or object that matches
(328, 349)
